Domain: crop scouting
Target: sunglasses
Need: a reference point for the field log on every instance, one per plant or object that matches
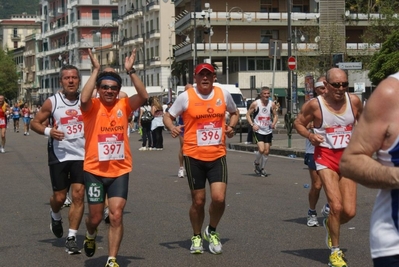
(338, 85)
(106, 87)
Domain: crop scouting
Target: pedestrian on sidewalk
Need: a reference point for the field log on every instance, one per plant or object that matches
(203, 109)
(262, 124)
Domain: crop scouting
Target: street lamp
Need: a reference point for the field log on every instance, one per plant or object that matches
(228, 17)
(206, 15)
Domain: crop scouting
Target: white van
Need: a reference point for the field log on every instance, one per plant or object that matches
(238, 99)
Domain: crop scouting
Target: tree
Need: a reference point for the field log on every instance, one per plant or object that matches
(8, 75)
(381, 30)
(385, 61)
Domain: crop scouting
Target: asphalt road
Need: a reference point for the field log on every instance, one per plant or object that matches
(264, 223)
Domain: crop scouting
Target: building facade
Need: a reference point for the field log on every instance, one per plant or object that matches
(148, 26)
(239, 38)
(69, 29)
(13, 30)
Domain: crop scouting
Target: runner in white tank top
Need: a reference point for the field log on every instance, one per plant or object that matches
(262, 125)
(332, 117)
(378, 132)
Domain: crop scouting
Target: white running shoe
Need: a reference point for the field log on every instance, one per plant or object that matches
(2, 150)
(312, 220)
(215, 246)
(180, 173)
(325, 210)
(143, 148)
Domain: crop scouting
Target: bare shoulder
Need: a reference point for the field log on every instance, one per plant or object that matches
(310, 105)
(122, 95)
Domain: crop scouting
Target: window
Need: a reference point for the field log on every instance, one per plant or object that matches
(266, 35)
(115, 15)
(269, 6)
(96, 17)
(300, 6)
(264, 63)
(15, 44)
(15, 32)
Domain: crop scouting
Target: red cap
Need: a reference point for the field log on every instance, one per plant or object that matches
(204, 66)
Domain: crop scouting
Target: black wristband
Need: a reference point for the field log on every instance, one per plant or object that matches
(131, 71)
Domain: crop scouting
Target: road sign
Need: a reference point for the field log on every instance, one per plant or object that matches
(292, 63)
(350, 65)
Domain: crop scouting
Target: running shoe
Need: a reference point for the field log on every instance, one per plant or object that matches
(180, 173)
(337, 259)
(143, 148)
(215, 246)
(2, 150)
(90, 246)
(56, 227)
(27, 133)
(71, 247)
(325, 211)
(328, 237)
(257, 168)
(263, 173)
(106, 215)
(112, 263)
(312, 219)
(196, 245)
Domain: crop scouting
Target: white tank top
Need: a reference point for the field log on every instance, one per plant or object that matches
(335, 128)
(68, 117)
(263, 118)
(384, 223)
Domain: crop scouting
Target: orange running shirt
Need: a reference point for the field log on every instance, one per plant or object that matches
(204, 126)
(107, 150)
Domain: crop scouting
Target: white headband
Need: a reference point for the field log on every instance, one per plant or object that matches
(318, 84)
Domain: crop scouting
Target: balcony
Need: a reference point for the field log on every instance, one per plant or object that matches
(262, 49)
(16, 37)
(90, 3)
(183, 20)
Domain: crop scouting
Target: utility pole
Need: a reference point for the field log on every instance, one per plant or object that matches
(288, 116)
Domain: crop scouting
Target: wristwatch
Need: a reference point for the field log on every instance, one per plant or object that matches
(131, 71)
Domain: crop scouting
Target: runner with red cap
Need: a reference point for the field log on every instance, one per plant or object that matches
(203, 109)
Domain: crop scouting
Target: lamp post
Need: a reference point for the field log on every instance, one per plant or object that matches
(295, 103)
(206, 15)
(287, 118)
(228, 12)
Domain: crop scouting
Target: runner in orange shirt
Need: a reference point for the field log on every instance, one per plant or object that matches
(108, 159)
(203, 111)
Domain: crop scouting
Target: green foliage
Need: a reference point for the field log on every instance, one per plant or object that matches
(8, 75)
(8, 7)
(386, 61)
